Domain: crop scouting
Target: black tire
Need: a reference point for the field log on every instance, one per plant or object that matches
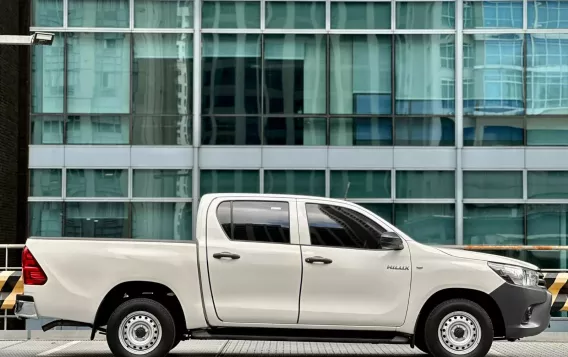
(420, 343)
(464, 309)
(159, 345)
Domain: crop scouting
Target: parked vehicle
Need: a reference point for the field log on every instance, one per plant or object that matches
(282, 267)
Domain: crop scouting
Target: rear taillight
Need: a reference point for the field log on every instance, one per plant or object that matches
(33, 273)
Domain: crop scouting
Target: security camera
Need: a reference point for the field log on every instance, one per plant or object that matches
(43, 38)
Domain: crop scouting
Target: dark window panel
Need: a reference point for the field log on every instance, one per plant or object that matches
(427, 131)
(427, 223)
(237, 181)
(295, 15)
(97, 183)
(165, 130)
(360, 15)
(45, 219)
(547, 184)
(45, 182)
(297, 182)
(295, 131)
(163, 13)
(231, 14)
(230, 131)
(162, 220)
(161, 183)
(96, 220)
(383, 210)
(492, 184)
(548, 131)
(493, 224)
(363, 184)
(425, 184)
(493, 131)
(361, 131)
(426, 15)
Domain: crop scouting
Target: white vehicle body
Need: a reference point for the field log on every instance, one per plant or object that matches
(274, 285)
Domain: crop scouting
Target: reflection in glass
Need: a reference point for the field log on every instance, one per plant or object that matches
(362, 184)
(165, 130)
(236, 181)
(47, 77)
(424, 86)
(493, 14)
(231, 74)
(546, 131)
(427, 223)
(231, 14)
(296, 182)
(45, 182)
(97, 183)
(45, 219)
(360, 74)
(295, 131)
(493, 224)
(46, 130)
(544, 14)
(294, 74)
(428, 131)
(492, 184)
(493, 131)
(260, 222)
(162, 80)
(361, 131)
(99, 13)
(360, 15)
(383, 210)
(295, 15)
(547, 225)
(96, 220)
(98, 129)
(161, 220)
(547, 77)
(161, 183)
(425, 184)
(493, 75)
(47, 13)
(163, 14)
(98, 75)
(230, 131)
(426, 15)
(547, 184)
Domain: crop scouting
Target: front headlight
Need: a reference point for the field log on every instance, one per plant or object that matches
(515, 275)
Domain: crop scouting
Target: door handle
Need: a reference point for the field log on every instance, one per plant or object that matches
(226, 255)
(318, 259)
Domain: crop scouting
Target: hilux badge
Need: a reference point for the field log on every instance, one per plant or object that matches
(397, 267)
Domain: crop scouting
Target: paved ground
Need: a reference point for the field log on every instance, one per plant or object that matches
(258, 348)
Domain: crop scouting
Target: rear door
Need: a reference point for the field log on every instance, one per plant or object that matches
(254, 260)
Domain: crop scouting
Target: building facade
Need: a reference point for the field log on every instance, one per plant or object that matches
(448, 118)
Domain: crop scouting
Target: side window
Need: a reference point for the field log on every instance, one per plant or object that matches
(334, 226)
(255, 221)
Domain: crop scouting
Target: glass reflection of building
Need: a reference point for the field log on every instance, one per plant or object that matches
(448, 118)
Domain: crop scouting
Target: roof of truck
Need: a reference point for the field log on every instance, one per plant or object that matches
(268, 195)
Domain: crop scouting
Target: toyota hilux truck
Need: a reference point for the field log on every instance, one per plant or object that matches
(282, 267)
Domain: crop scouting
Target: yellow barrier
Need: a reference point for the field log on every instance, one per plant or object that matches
(557, 284)
(11, 284)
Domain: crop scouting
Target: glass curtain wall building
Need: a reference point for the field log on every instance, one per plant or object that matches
(448, 118)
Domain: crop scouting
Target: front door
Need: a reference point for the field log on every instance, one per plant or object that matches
(347, 278)
(254, 260)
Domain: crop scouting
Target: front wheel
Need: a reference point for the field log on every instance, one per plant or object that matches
(458, 327)
(140, 327)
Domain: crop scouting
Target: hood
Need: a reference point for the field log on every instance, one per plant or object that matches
(465, 254)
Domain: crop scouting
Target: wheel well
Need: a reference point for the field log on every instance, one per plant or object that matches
(484, 300)
(135, 289)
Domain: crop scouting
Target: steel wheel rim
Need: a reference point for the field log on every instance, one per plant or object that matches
(140, 332)
(459, 333)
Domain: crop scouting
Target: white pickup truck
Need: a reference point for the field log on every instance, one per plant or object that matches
(282, 267)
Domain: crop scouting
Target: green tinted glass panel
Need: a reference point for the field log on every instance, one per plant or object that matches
(383, 210)
(45, 182)
(493, 14)
(47, 13)
(45, 219)
(97, 183)
(425, 184)
(426, 15)
(106, 130)
(543, 131)
(46, 130)
(99, 13)
(309, 182)
(161, 220)
(363, 184)
(96, 220)
(231, 14)
(360, 15)
(295, 15)
(493, 224)
(163, 13)
(238, 181)
(295, 131)
(493, 184)
(547, 224)
(161, 183)
(166, 130)
(48, 76)
(427, 223)
(547, 184)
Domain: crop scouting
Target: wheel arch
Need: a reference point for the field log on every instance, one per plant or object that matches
(479, 297)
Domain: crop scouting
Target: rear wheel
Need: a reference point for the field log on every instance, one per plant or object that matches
(458, 327)
(140, 327)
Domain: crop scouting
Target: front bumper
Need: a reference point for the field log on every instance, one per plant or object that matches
(25, 307)
(525, 310)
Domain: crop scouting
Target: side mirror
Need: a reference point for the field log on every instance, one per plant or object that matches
(391, 241)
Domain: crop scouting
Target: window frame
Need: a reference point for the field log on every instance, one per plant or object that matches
(304, 226)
